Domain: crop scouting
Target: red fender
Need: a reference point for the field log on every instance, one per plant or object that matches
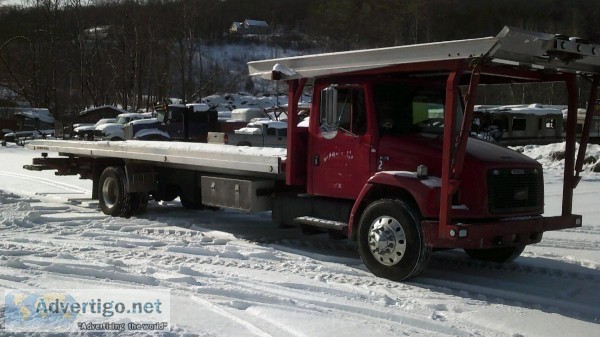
(425, 191)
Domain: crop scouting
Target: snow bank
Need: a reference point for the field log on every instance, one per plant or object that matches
(551, 156)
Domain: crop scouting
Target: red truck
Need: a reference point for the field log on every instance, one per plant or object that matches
(386, 158)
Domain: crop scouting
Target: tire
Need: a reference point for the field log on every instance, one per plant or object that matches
(499, 255)
(191, 203)
(390, 240)
(139, 203)
(113, 198)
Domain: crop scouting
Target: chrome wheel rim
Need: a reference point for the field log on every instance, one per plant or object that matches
(110, 192)
(387, 240)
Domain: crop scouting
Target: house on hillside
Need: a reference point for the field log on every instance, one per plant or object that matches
(100, 32)
(249, 27)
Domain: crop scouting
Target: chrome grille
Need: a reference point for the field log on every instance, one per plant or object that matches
(128, 131)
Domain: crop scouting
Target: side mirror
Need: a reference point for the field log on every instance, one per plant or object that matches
(329, 99)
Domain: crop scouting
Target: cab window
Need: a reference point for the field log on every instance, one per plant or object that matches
(343, 108)
(406, 108)
(177, 115)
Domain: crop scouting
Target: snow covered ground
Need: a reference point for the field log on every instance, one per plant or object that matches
(233, 274)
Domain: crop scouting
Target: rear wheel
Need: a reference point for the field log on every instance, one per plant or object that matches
(190, 202)
(112, 194)
(390, 240)
(499, 255)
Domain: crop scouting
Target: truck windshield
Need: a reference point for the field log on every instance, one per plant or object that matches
(123, 120)
(404, 108)
(160, 115)
(176, 114)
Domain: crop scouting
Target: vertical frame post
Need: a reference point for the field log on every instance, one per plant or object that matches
(293, 160)
(587, 125)
(448, 151)
(571, 133)
(465, 132)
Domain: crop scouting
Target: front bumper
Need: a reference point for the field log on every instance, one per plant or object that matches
(495, 234)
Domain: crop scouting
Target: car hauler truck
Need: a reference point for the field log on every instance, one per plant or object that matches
(386, 159)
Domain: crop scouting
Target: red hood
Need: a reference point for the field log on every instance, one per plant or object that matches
(416, 149)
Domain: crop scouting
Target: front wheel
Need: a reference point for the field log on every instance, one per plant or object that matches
(499, 255)
(112, 194)
(390, 240)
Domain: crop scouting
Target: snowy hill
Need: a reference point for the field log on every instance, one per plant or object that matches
(228, 102)
(226, 63)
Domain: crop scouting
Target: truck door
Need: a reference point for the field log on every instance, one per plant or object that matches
(341, 145)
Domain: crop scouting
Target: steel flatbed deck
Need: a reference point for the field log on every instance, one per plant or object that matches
(196, 156)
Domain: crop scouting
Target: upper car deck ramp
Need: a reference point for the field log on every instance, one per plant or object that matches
(512, 47)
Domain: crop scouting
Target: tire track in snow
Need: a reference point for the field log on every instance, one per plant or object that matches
(458, 267)
(357, 311)
(250, 327)
(229, 284)
(550, 289)
(594, 230)
(49, 182)
(305, 298)
(569, 244)
(465, 280)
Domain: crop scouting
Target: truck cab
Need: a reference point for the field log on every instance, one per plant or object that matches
(115, 131)
(177, 122)
(366, 131)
